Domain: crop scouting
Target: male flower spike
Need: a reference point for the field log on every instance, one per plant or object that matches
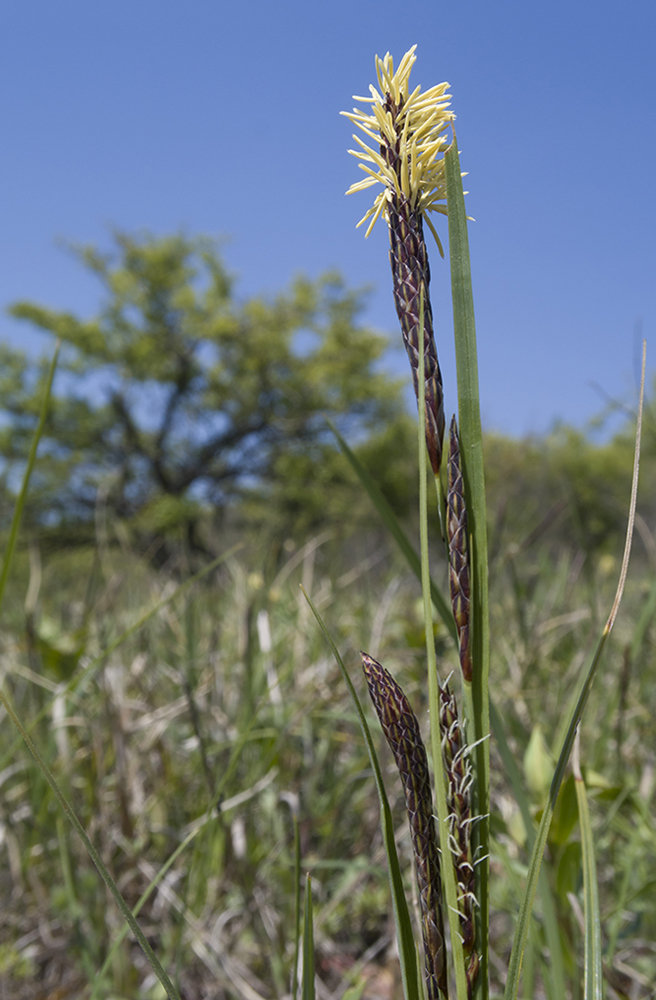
(408, 130)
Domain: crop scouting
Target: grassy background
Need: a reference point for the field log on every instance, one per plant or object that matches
(227, 699)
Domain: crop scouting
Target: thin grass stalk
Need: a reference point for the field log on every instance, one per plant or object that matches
(297, 902)
(535, 863)
(448, 871)
(308, 991)
(476, 694)
(592, 980)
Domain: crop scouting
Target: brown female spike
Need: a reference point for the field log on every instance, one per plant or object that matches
(401, 730)
(459, 780)
(456, 529)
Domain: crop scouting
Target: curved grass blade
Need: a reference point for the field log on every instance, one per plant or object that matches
(476, 696)
(407, 951)
(308, 944)
(31, 458)
(592, 981)
(521, 930)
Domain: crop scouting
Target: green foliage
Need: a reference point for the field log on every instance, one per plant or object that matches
(177, 397)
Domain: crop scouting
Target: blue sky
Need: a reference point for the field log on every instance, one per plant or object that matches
(223, 118)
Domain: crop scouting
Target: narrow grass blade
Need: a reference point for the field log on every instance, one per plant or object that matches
(471, 438)
(297, 903)
(308, 944)
(592, 982)
(521, 930)
(31, 458)
(391, 521)
(407, 952)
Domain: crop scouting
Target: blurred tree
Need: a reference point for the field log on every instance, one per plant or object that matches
(176, 398)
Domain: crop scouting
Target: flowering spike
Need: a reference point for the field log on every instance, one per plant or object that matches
(408, 128)
(459, 778)
(420, 116)
(456, 529)
(402, 733)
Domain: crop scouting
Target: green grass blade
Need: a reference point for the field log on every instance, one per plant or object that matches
(471, 445)
(391, 522)
(399, 904)
(521, 930)
(31, 458)
(592, 983)
(297, 903)
(308, 944)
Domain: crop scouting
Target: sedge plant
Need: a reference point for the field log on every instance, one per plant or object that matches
(407, 150)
